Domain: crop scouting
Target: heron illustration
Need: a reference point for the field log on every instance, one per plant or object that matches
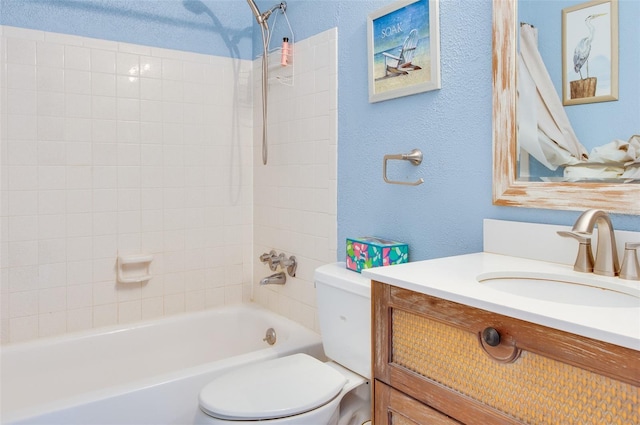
(583, 48)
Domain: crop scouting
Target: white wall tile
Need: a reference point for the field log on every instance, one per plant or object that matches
(104, 107)
(127, 64)
(24, 303)
(79, 174)
(150, 89)
(21, 152)
(21, 127)
(51, 177)
(118, 148)
(79, 319)
(23, 328)
(174, 304)
(79, 224)
(49, 55)
(53, 323)
(128, 87)
(52, 275)
(21, 102)
(52, 250)
(51, 153)
(21, 51)
(104, 131)
(52, 300)
(21, 76)
(76, 81)
(80, 248)
(128, 109)
(150, 67)
(22, 253)
(172, 69)
(78, 58)
(52, 226)
(103, 61)
(51, 202)
(21, 279)
(51, 104)
(129, 311)
(77, 105)
(79, 296)
(105, 315)
(152, 308)
(103, 84)
(299, 185)
(79, 272)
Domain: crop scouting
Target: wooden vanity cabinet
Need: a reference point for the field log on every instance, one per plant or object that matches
(440, 362)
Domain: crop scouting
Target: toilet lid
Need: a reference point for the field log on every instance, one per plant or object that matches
(275, 388)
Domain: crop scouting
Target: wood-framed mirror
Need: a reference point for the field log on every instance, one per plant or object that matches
(507, 189)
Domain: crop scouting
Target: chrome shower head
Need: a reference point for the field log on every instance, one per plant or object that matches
(262, 17)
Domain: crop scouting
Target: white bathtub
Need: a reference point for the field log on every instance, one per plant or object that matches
(146, 373)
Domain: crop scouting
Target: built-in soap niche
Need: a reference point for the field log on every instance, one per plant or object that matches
(134, 268)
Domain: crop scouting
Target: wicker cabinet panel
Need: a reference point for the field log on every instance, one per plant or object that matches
(532, 389)
(432, 350)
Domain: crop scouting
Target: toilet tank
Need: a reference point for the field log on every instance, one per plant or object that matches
(344, 313)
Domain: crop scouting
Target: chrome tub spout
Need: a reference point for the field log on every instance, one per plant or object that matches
(279, 278)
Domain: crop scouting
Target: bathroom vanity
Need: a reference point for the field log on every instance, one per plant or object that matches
(450, 347)
(438, 361)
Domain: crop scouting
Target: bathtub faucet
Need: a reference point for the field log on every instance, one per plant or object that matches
(279, 278)
(274, 260)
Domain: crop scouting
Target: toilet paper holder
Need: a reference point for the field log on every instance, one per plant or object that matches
(414, 157)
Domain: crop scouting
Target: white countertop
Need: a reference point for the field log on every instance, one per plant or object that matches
(454, 279)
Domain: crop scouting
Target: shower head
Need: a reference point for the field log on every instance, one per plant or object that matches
(262, 17)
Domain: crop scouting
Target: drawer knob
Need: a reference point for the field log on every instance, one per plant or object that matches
(491, 337)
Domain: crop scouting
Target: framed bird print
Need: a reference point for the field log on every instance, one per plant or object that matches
(590, 52)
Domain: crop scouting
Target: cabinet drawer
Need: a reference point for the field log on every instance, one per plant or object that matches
(396, 408)
(432, 350)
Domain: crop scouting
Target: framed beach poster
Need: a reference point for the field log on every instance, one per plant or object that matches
(403, 41)
(590, 52)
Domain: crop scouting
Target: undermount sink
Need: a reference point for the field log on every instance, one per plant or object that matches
(584, 291)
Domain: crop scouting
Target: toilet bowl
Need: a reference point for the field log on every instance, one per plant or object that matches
(299, 389)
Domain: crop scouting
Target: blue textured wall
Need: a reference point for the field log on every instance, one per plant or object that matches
(452, 126)
(221, 28)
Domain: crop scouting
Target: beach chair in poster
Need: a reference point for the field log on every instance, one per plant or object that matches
(401, 64)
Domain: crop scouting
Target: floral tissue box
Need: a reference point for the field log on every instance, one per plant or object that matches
(367, 252)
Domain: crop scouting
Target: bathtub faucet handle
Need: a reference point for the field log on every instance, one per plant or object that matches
(272, 258)
(289, 263)
(281, 260)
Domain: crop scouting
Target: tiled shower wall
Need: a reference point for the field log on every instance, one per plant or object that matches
(295, 194)
(111, 148)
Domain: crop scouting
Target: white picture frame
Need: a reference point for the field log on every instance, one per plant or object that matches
(403, 44)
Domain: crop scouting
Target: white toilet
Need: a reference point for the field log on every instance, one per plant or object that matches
(300, 389)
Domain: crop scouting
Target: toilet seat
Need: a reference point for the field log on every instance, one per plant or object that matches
(277, 388)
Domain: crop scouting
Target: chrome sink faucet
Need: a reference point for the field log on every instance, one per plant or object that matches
(606, 259)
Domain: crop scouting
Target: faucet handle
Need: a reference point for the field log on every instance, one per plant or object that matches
(272, 258)
(584, 260)
(630, 269)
